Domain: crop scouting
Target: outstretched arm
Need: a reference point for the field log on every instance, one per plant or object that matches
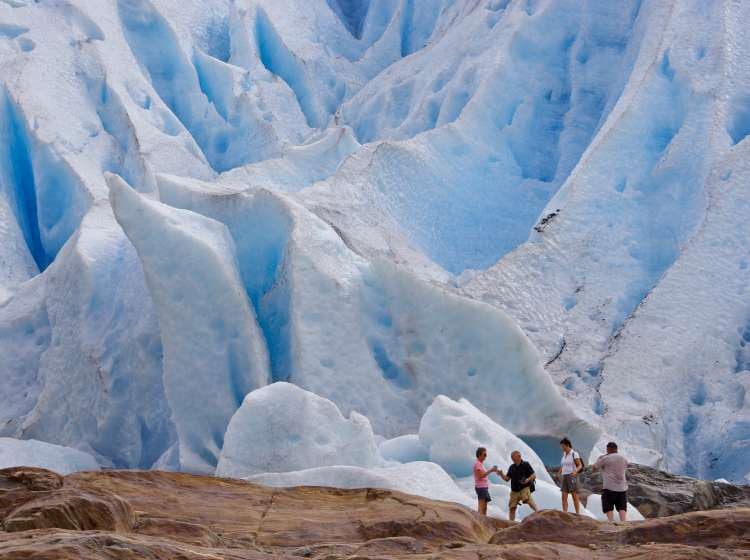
(482, 474)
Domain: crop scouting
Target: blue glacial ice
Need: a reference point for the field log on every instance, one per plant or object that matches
(538, 207)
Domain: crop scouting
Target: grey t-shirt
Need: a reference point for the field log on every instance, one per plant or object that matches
(613, 466)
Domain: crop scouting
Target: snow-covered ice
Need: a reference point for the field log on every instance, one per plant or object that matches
(536, 206)
(33, 453)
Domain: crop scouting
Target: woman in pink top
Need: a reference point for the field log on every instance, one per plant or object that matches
(481, 482)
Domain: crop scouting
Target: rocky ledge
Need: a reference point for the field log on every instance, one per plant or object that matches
(158, 515)
(658, 493)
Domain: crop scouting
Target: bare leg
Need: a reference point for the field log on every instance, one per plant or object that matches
(610, 515)
(532, 504)
(482, 507)
(623, 515)
(565, 500)
(576, 503)
(512, 513)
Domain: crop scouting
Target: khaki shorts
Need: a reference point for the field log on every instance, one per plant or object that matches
(523, 496)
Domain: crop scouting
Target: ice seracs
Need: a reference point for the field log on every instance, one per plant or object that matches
(583, 159)
(214, 353)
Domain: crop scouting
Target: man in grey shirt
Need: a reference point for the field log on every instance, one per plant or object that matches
(615, 485)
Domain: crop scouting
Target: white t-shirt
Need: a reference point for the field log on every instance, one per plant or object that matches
(568, 461)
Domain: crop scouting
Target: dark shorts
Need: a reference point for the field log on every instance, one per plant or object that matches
(569, 483)
(483, 494)
(614, 500)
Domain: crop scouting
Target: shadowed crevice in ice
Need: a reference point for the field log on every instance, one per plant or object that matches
(739, 122)
(418, 20)
(279, 60)
(261, 236)
(214, 38)
(199, 93)
(126, 159)
(18, 177)
(260, 227)
(216, 340)
(352, 14)
(157, 50)
(46, 194)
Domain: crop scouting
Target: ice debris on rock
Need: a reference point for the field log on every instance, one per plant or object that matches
(33, 453)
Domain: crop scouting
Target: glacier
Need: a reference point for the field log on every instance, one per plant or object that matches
(539, 206)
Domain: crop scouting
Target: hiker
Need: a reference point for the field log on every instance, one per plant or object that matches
(614, 483)
(571, 465)
(481, 482)
(522, 477)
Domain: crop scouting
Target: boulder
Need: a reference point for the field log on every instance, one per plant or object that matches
(658, 493)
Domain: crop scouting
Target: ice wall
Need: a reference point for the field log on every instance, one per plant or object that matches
(400, 186)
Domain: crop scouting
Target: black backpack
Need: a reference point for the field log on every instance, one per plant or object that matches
(532, 484)
(580, 458)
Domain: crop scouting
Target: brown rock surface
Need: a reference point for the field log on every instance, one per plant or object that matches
(156, 515)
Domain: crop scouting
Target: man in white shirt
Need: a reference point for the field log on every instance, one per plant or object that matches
(614, 484)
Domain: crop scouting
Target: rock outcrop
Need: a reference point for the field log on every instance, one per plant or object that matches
(158, 515)
(658, 493)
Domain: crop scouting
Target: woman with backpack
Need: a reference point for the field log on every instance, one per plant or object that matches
(571, 465)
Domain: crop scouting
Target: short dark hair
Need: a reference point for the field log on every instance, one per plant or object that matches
(612, 445)
(481, 450)
(566, 441)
